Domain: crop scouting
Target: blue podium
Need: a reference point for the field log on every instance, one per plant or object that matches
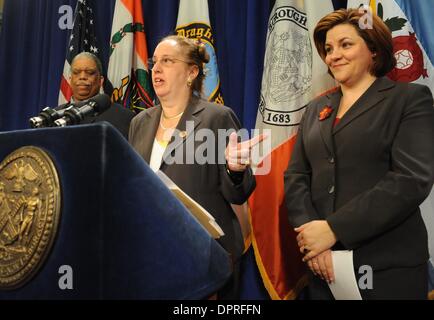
(121, 231)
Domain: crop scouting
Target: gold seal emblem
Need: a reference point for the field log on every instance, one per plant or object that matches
(29, 214)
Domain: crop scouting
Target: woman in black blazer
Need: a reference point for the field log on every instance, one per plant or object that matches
(168, 137)
(362, 164)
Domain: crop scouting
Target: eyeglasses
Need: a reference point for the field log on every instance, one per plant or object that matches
(164, 62)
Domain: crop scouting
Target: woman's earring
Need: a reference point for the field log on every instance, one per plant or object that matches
(189, 82)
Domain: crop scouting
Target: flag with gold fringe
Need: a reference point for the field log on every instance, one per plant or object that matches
(293, 75)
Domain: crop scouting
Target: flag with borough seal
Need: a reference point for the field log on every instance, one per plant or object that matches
(293, 75)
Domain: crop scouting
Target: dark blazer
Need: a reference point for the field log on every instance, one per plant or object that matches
(116, 115)
(368, 174)
(209, 184)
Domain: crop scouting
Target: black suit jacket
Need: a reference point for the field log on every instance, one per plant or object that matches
(368, 174)
(209, 184)
(116, 115)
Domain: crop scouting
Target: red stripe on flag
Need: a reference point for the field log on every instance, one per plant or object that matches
(65, 88)
(276, 250)
(134, 7)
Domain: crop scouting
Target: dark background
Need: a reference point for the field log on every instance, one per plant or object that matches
(32, 50)
(33, 47)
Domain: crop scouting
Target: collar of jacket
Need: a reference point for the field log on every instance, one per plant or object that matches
(376, 93)
(191, 113)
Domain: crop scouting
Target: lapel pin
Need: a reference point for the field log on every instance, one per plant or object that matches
(325, 113)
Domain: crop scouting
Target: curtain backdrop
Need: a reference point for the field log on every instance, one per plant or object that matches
(32, 55)
(32, 51)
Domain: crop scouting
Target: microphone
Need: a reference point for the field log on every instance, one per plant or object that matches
(74, 115)
(46, 118)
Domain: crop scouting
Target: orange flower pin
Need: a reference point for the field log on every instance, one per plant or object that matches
(325, 113)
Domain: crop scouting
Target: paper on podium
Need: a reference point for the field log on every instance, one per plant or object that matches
(197, 211)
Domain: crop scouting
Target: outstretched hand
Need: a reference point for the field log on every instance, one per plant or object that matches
(238, 154)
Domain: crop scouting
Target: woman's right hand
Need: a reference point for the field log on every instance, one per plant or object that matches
(237, 154)
(322, 266)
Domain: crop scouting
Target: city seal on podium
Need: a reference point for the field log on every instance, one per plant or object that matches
(29, 214)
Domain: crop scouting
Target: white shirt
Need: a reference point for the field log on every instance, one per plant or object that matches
(157, 155)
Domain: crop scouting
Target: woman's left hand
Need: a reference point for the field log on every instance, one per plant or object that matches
(314, 237)
(238, 154)
(322, 266)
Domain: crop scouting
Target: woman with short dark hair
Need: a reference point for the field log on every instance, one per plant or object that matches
(362, 164)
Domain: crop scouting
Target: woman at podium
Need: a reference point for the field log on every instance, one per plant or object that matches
(182, 136)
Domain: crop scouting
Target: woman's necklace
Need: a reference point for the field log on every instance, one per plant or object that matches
(163, 126)
(172, 117)
(168, 118)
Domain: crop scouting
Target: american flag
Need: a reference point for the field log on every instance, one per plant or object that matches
(82, 38)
